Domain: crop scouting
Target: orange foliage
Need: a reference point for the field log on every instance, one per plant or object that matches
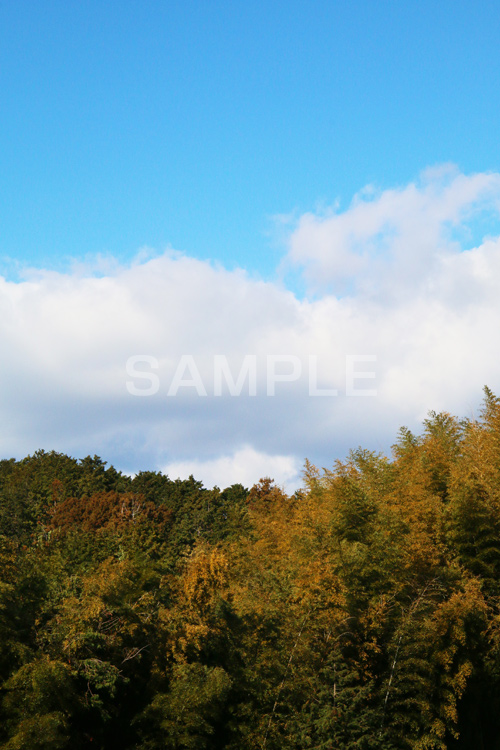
(106, 511)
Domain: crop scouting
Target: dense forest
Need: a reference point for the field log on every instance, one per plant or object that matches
(360, 612)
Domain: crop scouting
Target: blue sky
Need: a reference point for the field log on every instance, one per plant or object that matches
(244, 134)
(192, 124)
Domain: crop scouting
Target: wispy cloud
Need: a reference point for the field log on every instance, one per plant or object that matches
(388, 242)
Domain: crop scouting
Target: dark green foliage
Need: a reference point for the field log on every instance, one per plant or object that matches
(363, 612)
(189, 716)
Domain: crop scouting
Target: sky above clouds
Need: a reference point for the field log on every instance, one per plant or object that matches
(262, 205)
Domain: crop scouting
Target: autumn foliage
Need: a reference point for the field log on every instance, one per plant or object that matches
(361, 612)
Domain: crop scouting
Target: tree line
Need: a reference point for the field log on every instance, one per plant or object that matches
(359, 613)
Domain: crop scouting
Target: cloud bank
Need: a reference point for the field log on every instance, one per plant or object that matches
(408, 276)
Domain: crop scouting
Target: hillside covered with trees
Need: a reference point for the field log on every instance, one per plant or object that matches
(359, 613)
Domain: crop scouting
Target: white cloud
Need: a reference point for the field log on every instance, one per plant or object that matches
(425, 306)
(386, 243)
(245, 466)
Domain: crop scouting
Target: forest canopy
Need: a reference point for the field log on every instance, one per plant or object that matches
(361, 612)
